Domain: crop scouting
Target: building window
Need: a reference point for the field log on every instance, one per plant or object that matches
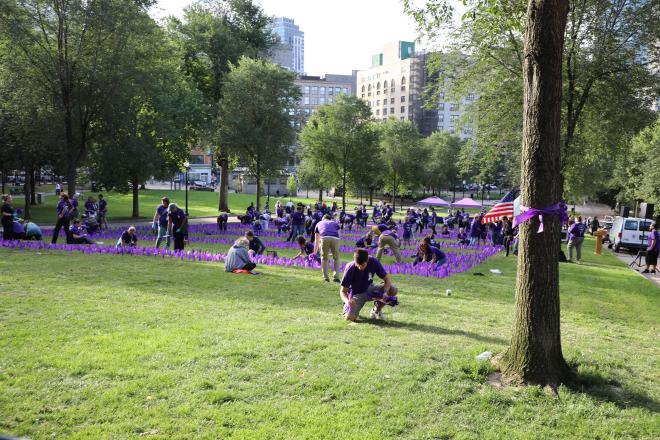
(403, 88)
(345, 90)
(453, 118)
(385, 84)
(441, 95)
(391, 100)
(403, 109)
(403, 118)
(197, 159)
(329, 90)
(377, 112)
(322, 90)
(321, 100)
(454, 107)
(306, 100)
(441, 106)
(403, 80)
(391, 110)
(306, 89)
(385, 101)
(377, 92)
(384, 112)
(363, 96)
(315, 89)
(378, 86)
(403, 99)
(469, 97)
(337, 89)
(441, 118)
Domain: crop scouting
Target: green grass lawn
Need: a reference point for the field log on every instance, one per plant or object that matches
(111, 347)
(120, 206)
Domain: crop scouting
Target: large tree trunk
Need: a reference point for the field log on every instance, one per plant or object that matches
(343, 191)
(258, 175)
(371, 197)
(320, 194)
(136, 198)
(535, 354)
(33, 184)
(27, 190)
(223, 204)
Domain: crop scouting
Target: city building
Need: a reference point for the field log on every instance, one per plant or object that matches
(290, 51)
(394, 86)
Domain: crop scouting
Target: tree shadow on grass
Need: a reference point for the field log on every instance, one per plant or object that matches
(425, 328)
(606, 390)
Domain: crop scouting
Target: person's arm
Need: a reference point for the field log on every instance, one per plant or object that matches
(317, 242)
(343, 294)
(387, 285)
(156, 216)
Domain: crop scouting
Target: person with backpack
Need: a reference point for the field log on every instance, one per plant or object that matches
(576, 230)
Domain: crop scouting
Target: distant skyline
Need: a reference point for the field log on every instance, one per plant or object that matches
(340, 35)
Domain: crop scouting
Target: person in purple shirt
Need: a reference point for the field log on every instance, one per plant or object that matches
(160, 222)
(576, 230)
(176, 223)
(327, 241)
(128, 239)
(475, 231)
(306, 249)
(429, 254)
(297, 224)
(357, 286)
(365, 242)
(90, 207)
(103, 211)
(78, 235)
(222, 221)
(652, 250)
(63, 218)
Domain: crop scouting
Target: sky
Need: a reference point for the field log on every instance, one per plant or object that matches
(340, 35)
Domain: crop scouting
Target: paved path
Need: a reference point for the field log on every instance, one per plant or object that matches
(628, 257)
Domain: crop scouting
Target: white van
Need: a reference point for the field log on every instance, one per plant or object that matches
(629, 232)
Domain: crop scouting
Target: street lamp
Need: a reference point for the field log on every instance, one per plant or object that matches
(186, 165)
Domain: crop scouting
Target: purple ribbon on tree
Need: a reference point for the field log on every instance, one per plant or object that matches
(529, 213)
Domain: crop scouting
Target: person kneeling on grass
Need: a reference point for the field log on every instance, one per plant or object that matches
(357, 287)
(128, 239)
(306, 249)
(238, 257)
(426, 253)
(255, 245)
(78, 235)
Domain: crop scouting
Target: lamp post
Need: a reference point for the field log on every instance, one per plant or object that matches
(186, 165)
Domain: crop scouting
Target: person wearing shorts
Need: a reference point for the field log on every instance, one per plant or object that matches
(357, 287)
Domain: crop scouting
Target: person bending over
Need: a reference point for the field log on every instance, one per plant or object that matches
(254, 243)
(176, 225)
(357, 287)
(223, 219)
(238, 257)
(426, 253)
(365, 242)
(128, 239)
(306, 249)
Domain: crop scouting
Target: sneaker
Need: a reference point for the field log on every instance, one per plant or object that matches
(376, 314)
(646, 271)
(337, 280)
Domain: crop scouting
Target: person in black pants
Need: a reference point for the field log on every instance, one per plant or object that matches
(7, 218)
(63, 218)
(507, 232)
(177, 221)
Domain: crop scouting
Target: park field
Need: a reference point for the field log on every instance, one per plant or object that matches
(123, 347)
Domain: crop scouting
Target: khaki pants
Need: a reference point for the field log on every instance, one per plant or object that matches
(388, 240)
(330, 245)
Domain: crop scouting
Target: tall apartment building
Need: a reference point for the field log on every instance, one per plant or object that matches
(290, 51)
(394, 87)
(317, 91)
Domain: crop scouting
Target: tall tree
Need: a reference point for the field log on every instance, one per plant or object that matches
(75, 51)
(255, 119)
(215, 34)
(342, 136)
(441, 150)
(401, 151)
(534, 354)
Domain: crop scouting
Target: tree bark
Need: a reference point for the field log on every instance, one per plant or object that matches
(320, 194)
(371, 197)
(33, 184)
(343, 191)
(136, 198)
(258, 175)
(223, 204)
(535, 354)
(27, 190)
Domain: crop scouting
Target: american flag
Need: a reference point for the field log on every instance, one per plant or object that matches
(502, 208)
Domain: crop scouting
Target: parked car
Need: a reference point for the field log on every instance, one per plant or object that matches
(629, 233)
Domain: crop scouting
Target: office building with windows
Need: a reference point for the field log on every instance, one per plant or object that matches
(394, 86)
(290, 50)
